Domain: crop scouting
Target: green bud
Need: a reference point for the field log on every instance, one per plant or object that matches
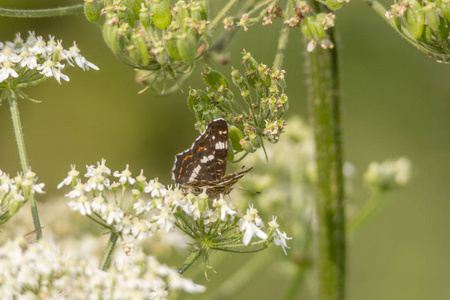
(14, 207)
(333, 4)
(134, 7)
(183, 13)
(395, 18)
(193, 99)
(126, 16)
(432, 18)
(444, 5)
(161, 14)
(254, 139)
(144, 16)
(426, 35)
(139, 42)
(187, 46)
(171, 46)
(110, 35)
(214, 78)
(230, 156)
(235, 136)
(312, 29)
(202, 201)
(92, 10)
(414, 18)
(247, 146)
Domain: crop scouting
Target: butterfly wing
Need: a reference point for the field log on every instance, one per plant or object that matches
(206, 160)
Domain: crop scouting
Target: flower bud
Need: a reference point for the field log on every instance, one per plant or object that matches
(134, 7)
(235, 136)
(202, 201)
(110, 35)
(139, 41)
(414, 18)
(214, 78)
(312, 29)
(187, 46)
(171, 46)
(182, 14)
(144, 16)
(247, 146)
(254, 139)
(92, 10)
(334, 4)
(161, 13)
(444, 5)
(126, 16)
(437, 24)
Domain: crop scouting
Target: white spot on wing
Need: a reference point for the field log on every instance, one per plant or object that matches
(195, 173)
(220, 145)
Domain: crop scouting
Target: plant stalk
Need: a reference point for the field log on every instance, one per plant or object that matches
(189, 261)
(107, 255)
(324, 104)
(14, 109)
(41, 13)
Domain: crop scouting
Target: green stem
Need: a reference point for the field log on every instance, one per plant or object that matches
(189, 261)
(14, 108)
(296, 282)
(370, 208)
(42, 13)
(222, 14)
(324, 102)
(282, 43)
(240, 279)
(107, 255)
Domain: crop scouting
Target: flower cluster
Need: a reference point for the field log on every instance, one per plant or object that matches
(31, 61)
(14, 192)
(153, 207)
(389, 174)
(263, 93)
(314, 28)
(41, 271)
(153, 37)
(265, 12)
(425, 23)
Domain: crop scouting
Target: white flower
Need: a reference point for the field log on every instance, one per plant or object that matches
(250, 230)
(225, 210)
(74, 55)
(113, 214)
(125, 176)
(81, 205)
(51, 69)
(165, 219)
(7, 71)
(280, 239)
(68, 180)
(155, 188)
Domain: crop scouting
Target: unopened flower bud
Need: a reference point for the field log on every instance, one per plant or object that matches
(235, 135)
(414, 18)
(187, 46)
(214, 78)
(161, 13)
(92, 10)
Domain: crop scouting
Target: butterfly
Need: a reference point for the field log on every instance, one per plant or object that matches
(204, 164)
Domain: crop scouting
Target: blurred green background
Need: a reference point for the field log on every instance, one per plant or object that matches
(396, 102)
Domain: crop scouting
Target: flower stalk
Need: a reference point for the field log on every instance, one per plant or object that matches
(324, 101)
(41, 13)
(107, 255)
(14, 109)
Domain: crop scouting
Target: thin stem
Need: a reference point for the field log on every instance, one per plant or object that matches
(370, 208)
(221, 15)
(14, 109)
(324, 102)
(107, 255)
(189, 261)
(241, 277)
(282, 43)
(42, 13)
